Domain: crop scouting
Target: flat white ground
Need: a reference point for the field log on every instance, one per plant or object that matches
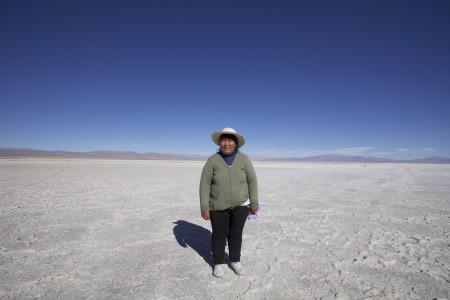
(86, 229)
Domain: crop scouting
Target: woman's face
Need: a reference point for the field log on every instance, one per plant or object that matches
(227, 145)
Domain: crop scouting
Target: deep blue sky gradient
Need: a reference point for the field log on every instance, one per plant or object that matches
(297, 78)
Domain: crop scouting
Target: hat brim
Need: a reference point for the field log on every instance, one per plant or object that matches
(216, 137)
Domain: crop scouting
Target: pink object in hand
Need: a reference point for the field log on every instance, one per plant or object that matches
(256, 215)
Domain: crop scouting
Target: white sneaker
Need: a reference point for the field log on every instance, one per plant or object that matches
(218, 271)
(238, 268)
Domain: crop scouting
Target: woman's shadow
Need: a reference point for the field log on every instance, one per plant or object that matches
(196, 237)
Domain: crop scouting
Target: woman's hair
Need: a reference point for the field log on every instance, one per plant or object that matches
(231, 137)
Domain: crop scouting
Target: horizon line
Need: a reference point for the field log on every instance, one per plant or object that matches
(9, 152)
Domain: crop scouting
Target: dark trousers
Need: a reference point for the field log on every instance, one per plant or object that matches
(228, 225)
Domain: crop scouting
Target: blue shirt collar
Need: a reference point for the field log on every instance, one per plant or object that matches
(229, 158)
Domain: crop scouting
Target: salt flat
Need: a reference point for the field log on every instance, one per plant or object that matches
(85, 229)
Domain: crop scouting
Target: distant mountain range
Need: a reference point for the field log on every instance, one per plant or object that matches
(33, 153)
(363, 159)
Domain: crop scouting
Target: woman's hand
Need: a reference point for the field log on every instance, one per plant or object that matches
(253, 210)
(205, 214)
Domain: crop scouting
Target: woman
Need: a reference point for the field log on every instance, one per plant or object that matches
(228, 193)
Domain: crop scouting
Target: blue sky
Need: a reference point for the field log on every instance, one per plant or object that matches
(296, 78)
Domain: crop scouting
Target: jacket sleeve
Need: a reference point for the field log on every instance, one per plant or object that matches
(252, 183)
(205, 185)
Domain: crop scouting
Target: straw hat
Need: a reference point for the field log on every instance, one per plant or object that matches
(227, 130)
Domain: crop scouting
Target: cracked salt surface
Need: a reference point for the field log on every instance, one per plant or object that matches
(87, 229)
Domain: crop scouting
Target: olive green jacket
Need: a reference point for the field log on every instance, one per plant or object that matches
(223, 186)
